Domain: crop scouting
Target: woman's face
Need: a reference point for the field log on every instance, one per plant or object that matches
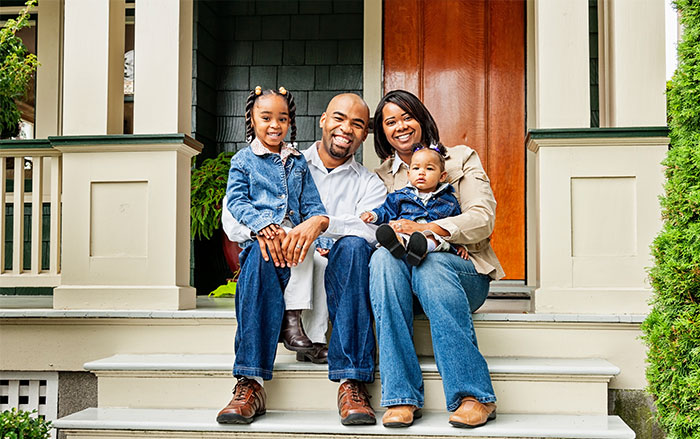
(401, 129)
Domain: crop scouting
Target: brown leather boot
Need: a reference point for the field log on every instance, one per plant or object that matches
(247, 403)
(353, 404)
(292, 334)
(317, 355)
(472, 413)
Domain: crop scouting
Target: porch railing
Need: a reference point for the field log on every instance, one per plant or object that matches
(30, 214)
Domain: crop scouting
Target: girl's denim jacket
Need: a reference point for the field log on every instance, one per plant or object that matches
(405, 203)
(262, 190)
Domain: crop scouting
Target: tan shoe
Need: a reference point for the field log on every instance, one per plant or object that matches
(401, 416)
(353, 404)
(471, 413)
(247, 403)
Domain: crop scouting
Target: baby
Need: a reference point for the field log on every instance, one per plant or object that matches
(427, 198)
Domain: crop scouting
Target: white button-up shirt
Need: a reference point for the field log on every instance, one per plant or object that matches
(346, 192)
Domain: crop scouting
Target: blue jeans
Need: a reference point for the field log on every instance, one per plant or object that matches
(259, 310)
(449, 290)
(351, 347)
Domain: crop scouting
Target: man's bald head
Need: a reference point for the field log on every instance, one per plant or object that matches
(345, 125)
(347, 101)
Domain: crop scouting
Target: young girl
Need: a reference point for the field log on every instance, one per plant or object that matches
(427, 198)
(270, 190)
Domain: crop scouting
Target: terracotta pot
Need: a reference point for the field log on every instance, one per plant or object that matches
(231, 252)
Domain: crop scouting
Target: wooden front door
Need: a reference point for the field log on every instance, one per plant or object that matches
(465, 59)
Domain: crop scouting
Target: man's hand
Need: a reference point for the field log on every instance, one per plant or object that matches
(274, 246)
(300, 238)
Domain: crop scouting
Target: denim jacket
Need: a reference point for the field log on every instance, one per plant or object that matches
(262, 190)
(405, 203)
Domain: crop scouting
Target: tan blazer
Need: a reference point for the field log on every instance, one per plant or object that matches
(474, 225)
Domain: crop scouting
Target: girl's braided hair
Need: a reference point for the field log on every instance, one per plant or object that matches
(250, 103)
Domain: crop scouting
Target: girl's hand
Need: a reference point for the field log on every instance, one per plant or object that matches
(274, 246)
(407, 226)
(366, 217)
(271, 231)
(301, 238)
(462, 252)
(323, 251)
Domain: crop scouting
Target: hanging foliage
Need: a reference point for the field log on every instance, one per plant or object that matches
(17, 67)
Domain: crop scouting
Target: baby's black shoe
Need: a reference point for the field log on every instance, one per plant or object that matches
(388, 239)
(417, 248)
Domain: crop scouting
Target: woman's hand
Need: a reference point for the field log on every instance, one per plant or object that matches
(462, 252)
(407, 227)
(301, 238)
(273, 245)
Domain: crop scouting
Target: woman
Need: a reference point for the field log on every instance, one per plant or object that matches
(448, 287)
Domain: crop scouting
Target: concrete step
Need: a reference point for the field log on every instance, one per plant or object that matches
(149, 423)
(522, 385)
(32, 331)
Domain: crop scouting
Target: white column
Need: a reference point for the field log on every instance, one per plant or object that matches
(126, 219)
(634, 48)
(48, 74)
(372, 71)
(89, 64)
(163, 66)
(562, 96)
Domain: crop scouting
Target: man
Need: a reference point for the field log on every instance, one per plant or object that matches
(346, 189)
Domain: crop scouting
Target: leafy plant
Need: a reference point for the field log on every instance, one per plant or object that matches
(18, 424)
(17, 68)
(672, 329)
(207, 191)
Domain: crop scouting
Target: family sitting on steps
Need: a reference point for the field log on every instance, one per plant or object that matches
(307, 225)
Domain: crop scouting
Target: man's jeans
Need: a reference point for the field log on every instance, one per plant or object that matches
(259, 310)
(449, 290)
(351, 347)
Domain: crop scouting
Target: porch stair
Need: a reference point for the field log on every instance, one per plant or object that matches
(116, 423)
(524, 385)
(165, 374)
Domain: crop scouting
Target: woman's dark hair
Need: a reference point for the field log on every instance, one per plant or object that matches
(408, 102)
(250, 103)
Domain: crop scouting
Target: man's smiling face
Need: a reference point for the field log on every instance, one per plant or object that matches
(345, 125)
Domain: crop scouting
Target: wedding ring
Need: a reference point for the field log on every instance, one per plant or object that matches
(298, 246)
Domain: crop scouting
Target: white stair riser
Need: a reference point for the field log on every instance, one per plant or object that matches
(291, 391)
(34, 342)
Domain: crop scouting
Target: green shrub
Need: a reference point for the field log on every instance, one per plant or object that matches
(17, 67)
(17, 424)
(207, 191)
(672, 329)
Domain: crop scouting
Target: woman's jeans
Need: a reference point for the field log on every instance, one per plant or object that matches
(449, 290)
